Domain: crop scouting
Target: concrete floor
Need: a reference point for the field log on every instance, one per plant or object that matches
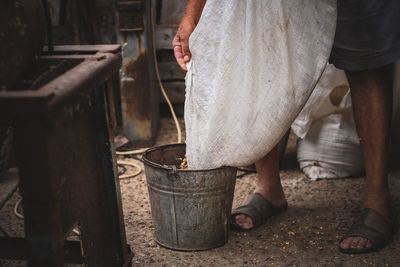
(306, 235)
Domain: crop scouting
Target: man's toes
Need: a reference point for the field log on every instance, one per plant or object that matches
(248, 224)
(244, 221)
(354, 242)
(362, 243)
(240, 219)
(345, 244)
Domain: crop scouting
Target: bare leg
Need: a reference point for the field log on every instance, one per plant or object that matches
(268, 184)
(371, 93)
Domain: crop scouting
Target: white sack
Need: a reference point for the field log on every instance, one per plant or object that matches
(254, 65)
(329, 146)
(319, 105)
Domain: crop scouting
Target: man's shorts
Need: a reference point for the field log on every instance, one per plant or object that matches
(367, 34)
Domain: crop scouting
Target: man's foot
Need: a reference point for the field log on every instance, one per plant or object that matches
(274, 196)
(268, 198)
(255, 213)
(376, 229)
(378, 203)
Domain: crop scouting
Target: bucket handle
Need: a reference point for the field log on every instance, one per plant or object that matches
(172, 173)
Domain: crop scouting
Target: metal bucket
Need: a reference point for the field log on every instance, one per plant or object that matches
(191, 209)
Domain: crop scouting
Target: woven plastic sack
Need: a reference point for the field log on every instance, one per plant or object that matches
(328, 146)
(254, 65)
(329, 96)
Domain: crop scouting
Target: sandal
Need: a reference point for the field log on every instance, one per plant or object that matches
(372, 226)
(258, 209)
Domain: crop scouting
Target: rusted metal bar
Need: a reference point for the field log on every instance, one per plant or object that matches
(111, 104)
(86, 48)
(84, 77)
(60, 57)
(56, 70)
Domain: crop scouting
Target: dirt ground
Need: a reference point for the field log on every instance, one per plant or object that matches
(306, 235)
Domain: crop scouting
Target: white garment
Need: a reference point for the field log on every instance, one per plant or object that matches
(254, 65)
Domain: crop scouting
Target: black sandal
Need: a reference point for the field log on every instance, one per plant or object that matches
(258, 209)
(373, 226)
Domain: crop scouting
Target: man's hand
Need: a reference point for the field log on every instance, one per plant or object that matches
(181, 42)
(189, 22)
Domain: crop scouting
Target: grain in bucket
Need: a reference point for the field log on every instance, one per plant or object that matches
(190, 208)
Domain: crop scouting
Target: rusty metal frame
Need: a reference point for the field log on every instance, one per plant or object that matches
(138, 84)
(67, 166)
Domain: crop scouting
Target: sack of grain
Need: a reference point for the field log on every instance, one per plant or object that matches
(254, 65)
(328, 146)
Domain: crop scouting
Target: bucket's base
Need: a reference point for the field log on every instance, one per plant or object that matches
(190, 249)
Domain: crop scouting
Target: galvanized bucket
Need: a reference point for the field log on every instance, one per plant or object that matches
(191, 209)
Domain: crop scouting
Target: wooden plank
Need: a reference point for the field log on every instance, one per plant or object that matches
(171, 71)
(164, 37)
(175, 92)
(172, 11)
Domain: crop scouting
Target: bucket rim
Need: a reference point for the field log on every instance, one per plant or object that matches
(157, 165)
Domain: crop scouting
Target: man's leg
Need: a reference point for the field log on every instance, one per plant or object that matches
(268, 185)
(371, 92)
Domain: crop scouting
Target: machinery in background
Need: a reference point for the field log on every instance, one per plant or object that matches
(59, 103)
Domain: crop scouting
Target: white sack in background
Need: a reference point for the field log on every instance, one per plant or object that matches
(319, 104)
(254, 65)
(329, 146)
